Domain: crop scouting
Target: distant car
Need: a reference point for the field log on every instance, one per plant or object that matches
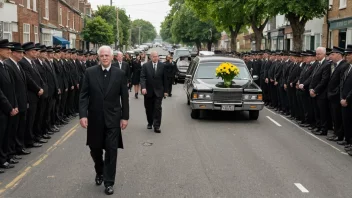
(204, 91)
(181, 52)
(206, 53)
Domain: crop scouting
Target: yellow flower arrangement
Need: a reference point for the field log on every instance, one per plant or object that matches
(227, 71)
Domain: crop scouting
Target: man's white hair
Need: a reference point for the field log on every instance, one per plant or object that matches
(119, 53)
(105, 47)
(322, 50)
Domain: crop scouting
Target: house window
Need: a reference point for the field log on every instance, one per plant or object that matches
(307, 42)
(317, 41)
(331, 2)
(29, 4)
(26, 33)
(7, 31)
(36, 36)
(331, 39)
(68, 18)
(34, 5)
(343, 4)
(47, 9)
(47, 39)
(60, 16)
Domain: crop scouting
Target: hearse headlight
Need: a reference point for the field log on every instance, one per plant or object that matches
(252, 97)
(202, 96)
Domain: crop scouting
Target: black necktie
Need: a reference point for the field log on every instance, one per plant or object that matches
(154, 67)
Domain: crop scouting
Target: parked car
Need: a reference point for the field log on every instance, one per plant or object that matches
(182, 64)
(204, 90)
(181, 52)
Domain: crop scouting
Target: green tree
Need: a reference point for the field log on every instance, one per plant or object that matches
(98, 31)
(110, 15)
(165, 29)
(146, 29)
(189, 29)
(227, 15)
(298, 13)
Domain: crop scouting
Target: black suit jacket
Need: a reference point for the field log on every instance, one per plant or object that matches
(125, 68)
(335, 79)
(154, 82)
(34, 81)
(103, 109)
(8, 99)
(346, 86)
(20, 84)
(320, 79)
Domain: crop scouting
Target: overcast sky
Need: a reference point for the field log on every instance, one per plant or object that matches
(149, 10)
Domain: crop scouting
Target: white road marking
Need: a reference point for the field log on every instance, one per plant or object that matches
(273, 121)
(301, 188)
(307, 132)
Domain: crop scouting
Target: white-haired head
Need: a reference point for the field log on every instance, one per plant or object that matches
(320, 53)
(105, 47)
(321, 50)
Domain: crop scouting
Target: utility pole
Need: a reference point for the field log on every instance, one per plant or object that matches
(117, 27)
(110, 2)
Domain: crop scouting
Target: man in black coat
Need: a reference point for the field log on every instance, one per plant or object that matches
(122, 65)
(35, 85)
(346, 101)
(103, 91)
(338, 70)
(170, 69)
(8, 104)
(318, 92)
(154, 88)
(20, 83)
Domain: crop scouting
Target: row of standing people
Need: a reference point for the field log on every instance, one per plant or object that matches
(313, 88)
(39, 93)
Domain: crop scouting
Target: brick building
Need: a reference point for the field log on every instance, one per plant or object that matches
(50, 22)
(337, 28)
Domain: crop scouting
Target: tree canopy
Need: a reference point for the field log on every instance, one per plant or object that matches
(147, 31)
(98, 31)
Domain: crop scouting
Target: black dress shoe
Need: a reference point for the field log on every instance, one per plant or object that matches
(149, 126)
(42, 141)
(157, 130)
(6, 165)
(332, 138)
(348, 145)
(23, 152)
(16, 157)
(316, 130)
(320, 133)
(46, 136)
(1, 171)
(37, 144)
(13, 161)
(311, 128)
(109, 190)
(341, 142)
(50, 133)
(99, 179)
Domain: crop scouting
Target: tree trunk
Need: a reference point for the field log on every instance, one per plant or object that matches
(297, 25)
(209, 45)
(199, 46)
(258, 33)
(234, 33)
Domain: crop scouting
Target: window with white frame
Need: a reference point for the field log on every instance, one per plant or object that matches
(273, 44)
(47, 39)
(73, 43)
(307, 42)
(331, 38)
(60, 16)
(29, 4)
(47, 9)
(26, 32)
(34, 5)
(36, 35)
(68, 19)
(343, 4)
(317, 41)
(7, 31)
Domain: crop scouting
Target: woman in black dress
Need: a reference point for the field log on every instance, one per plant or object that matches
(136, 74)
(129, 61)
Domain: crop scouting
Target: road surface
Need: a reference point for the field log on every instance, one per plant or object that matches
(220, 155)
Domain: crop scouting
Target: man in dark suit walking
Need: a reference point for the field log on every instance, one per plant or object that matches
(103, 92)
(122, 65)
(318, 92)
(154, 88)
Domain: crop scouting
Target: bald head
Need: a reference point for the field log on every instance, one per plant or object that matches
(321, 53)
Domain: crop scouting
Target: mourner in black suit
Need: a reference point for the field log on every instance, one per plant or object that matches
(337, 72)
(136, 74)
(170, 69)
(346, 101)
(35, 86)
(104, 111)
(20, 83)
(8, 105)
(154, 88)
(318, 92)
(122, 65)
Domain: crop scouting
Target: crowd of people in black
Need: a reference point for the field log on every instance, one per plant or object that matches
(312, 88)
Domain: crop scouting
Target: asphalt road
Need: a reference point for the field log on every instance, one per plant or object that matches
(220, 155)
